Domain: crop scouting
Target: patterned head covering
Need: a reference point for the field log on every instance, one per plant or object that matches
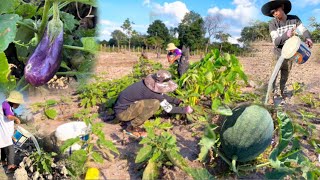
(160, 82)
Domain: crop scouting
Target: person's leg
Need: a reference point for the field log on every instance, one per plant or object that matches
(148, 108)
(285, 71)
(10, 157)
(3, 156)
(139, 111)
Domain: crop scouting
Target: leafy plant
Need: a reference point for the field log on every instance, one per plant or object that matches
(159, 148)
(43, 161)
(96, 148)
(47, 107)
(216, 76)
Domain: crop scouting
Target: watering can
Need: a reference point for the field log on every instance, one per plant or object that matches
(296, 50)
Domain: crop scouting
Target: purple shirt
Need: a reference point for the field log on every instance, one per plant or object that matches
(6, 108)
(177, 52)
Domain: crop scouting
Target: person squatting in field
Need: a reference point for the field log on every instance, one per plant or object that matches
(281, 28)
(138, 102)
(175, 55)
(7, 120)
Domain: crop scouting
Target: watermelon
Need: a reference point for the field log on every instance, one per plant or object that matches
(247, 133)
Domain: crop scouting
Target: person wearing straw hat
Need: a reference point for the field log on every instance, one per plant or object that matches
(7, 121)
(138, 102)
(175, 55)
(281, 28)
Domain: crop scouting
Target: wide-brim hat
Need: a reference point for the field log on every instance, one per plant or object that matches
(160, 82)
(273, 4)
(15, 97)
(171, 46)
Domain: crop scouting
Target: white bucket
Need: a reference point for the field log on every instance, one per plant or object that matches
(295, 49)
(72, 130)
(20, 136)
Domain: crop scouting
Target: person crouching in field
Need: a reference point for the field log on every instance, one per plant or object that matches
(138, 102)
(7, 120)
(281, 28)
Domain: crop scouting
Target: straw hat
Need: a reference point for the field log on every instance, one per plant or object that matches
(273, 4)
(15, 97)
(171, 46)
(160, 82)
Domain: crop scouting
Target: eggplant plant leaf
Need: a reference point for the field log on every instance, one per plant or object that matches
(89, 43)
(8, 29)
(51, 113)
(6, 6)
(143, 154)
(4, 68)
(69, 22)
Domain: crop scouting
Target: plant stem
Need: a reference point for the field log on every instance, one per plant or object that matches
(234, 165)
(45, 18)
(24, 88)
(56, 11)
(78, 48)
(27, 25)
(22, 80)
(222, 156)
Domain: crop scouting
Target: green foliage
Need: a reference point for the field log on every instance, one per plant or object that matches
(190, 30)
(95, 150)
(287, 158)
(7, 81)
(215, 76)
(159, 147)
(42, 162)
(159, 29)
(257, 31)
(145, 67)
(51, 113)
(208, 140)
(8, 29)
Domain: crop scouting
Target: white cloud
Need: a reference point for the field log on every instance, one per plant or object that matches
(146, 2)
(105, 22)
(244, 12)
(175, 10)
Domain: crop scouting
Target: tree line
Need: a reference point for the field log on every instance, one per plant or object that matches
(196, 33)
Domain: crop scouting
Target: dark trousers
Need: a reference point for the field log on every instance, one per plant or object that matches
(284, 73)
(7, 154)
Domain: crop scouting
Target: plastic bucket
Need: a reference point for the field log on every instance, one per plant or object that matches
(20, 136)
(296, 50)
(72, 130)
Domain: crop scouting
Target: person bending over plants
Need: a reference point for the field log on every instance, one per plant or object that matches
(281, 28)
(138, 102)
(175, 55)
(7, 120)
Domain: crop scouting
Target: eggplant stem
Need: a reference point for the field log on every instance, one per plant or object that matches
(78, 48)
(45, 18)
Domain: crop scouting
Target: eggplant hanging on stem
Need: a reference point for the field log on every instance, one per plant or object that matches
(46, 59)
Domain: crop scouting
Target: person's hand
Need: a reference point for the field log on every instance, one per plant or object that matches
(179, 101)
(17, 121)
(290, 33)
(189, 110)
(309, 42)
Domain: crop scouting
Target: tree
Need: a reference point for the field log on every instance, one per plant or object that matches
(191, 31)
(127, 28)
(315, 34)
(159, 29)
(118, 36)
(257, 31)
(213, 24)
(223, 37)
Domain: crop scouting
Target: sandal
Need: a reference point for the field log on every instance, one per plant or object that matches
(135, 132)
(11, 170)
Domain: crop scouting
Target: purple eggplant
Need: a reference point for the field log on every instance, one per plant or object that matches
(46, 59)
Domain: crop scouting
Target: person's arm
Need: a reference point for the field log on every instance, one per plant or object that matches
(276, 38)
(302, 30)
(174, 59)
(13, 118)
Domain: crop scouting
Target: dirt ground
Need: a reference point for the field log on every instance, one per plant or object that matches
(115, 65)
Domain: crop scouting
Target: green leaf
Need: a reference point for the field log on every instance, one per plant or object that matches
(79, 156)
(199, 173)
(109, 144)
(285, 136)
(8, 29)
(4, 68)
(26, 10)
(89, 2)
(224, 110)
(144, 153)
(151, 172)
(90, 44)
(97, 157)
(215, 104)
(278, 173)
(69, 22)
(51, 102)
(69, 143)
(6, 6)
(51, 113)
(25, 36)
(208, 140)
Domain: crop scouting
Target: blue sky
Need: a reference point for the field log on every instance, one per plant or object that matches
(236, 13)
